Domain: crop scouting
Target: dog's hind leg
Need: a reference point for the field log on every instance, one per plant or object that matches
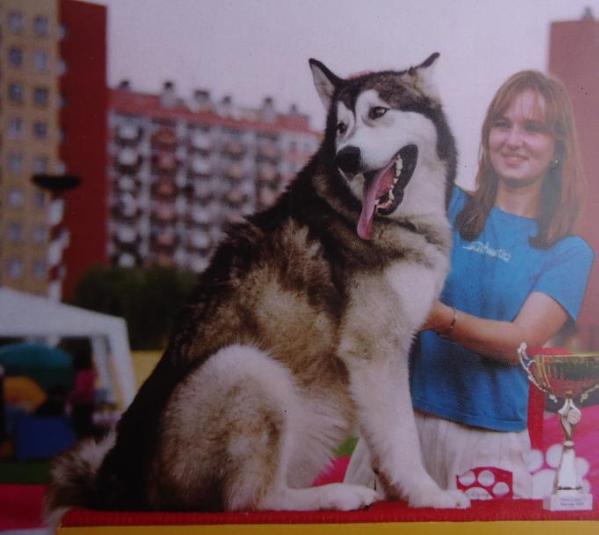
(231, 426)
(262, 455)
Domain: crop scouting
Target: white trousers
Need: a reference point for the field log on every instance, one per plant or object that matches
(450, 449)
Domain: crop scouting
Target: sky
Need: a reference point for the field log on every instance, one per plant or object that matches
(253, 48)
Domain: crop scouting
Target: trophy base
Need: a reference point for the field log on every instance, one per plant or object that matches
(578, 501)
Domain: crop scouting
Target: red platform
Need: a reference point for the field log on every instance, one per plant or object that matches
(494, 516)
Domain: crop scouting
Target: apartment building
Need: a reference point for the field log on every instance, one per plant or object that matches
(179, 170)
(52, 114)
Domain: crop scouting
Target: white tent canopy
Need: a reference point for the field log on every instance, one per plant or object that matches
(28, 316)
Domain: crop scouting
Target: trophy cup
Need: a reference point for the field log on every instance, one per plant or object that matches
(571, 377)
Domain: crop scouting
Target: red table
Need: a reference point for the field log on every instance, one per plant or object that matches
(484, 517)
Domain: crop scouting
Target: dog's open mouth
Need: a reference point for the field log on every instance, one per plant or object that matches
(384, 188)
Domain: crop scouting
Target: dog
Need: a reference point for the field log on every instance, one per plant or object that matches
(299, 330)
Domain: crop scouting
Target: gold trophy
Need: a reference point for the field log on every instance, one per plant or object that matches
(571, 377)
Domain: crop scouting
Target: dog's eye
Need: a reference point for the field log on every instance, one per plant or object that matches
(341, 128)
(377, 112)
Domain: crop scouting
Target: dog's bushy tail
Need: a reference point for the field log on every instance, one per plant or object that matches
(73, 478)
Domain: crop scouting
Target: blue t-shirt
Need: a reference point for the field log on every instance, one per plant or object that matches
(492, 277)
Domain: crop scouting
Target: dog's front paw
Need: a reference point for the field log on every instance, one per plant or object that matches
(346, 497)
(440, 499)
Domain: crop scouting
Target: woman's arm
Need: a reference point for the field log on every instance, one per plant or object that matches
(540, 318)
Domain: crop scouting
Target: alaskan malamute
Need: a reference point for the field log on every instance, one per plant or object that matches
(298, 333)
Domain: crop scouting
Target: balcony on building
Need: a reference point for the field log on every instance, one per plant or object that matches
(128, 133)
(55, 253)
(127, 206)
(199, 241)
(165, 138)
(234, 217)
(200, 166)
(268, 150)
(267, 173)
(165, 240)
(267, 196)
(56, 212)
(127, 260)
(127, 184)
(236, 198)
(234, 148)
(126, 235)
(198, 262)
(234, 171)
(200, 215)
(200, 140)
(128, 160)
(165, 188)
(203, 190)
(164, 162)
(164, 213)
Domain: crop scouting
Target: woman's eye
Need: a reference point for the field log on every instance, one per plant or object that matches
(501, 123)
(536, 128)
(376, 112)
(341, 128)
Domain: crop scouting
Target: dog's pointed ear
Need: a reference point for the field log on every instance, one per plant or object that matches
(325, 81)
(424, 75)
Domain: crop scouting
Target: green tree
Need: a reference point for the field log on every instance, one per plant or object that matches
(149, 299)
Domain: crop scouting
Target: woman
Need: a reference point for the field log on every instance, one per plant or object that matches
(518, 274)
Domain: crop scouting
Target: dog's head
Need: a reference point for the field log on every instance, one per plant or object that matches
(389, 140)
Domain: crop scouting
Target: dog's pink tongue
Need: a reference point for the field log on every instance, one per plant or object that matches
(373, 189)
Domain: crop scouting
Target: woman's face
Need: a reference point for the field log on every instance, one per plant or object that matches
(521, 148)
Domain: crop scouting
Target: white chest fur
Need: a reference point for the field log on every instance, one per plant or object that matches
(417, 285)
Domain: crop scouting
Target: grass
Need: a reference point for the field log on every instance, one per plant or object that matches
(26, 472)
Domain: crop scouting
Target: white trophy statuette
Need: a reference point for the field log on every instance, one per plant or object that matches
(569, 377)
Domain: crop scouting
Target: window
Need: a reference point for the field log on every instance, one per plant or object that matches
(41, 26)
(40, 60)
(15, 56)
(15, 21)
(40, 234)
(15, 93)
(41, 96)
(40, 130)
(15, 128)
(40, 165)
(14, 268)
(39, 199)
(16, 198)
(39, 269)
(15, 163)
(60, 168)
(15, 232)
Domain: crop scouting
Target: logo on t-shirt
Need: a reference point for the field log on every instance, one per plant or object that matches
(485, 249)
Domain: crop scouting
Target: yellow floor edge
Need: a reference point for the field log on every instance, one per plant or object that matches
(517, 527)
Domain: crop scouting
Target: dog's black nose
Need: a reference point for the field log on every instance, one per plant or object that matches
(348, 159)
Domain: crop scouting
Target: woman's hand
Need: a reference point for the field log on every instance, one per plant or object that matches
(439, 318)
